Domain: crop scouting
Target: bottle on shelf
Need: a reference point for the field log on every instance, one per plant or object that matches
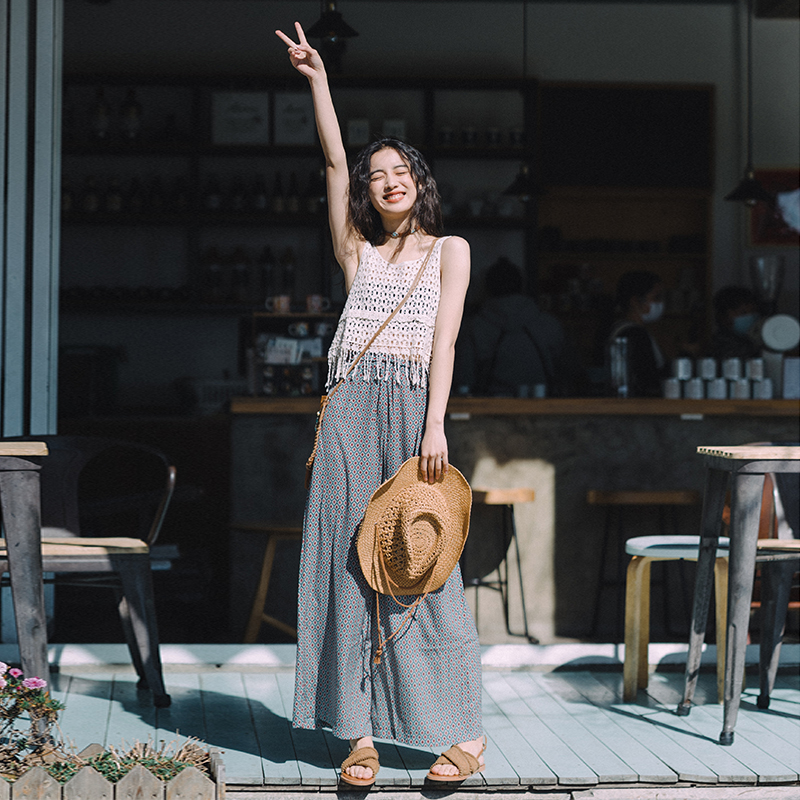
(265, 270)
(238, 196)
(130, 117)
(67, 197)
(241, 268)
(288, 272)
(90, 196)
(134, 202)
(259, 199)
(100, 117)
(292, 203)
(212, 196)
(277, 201)
(315, 191)
(212, 289)
(156, 200)
(178, 196)
(113, 199)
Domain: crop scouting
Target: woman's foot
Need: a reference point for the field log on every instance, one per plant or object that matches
(360, 774)
(448, 770)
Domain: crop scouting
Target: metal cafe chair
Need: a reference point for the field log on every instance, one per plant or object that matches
(103, 503)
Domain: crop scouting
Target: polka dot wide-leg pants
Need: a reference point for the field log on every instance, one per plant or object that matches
(427, 689)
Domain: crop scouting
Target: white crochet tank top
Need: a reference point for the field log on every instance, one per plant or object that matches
(403, 349)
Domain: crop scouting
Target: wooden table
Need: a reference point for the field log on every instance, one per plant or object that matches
(19, 502)
(741, 469)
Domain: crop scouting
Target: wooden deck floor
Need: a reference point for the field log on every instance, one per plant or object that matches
(545, 730)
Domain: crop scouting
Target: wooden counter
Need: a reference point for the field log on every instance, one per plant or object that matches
(645, 406)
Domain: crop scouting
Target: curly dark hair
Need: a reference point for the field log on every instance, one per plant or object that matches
(427, 213)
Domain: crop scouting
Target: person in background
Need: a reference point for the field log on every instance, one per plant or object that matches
(509, 346)
(736, 316)
(640, 302)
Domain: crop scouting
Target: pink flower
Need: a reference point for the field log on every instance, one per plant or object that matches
(3, 668)
(15, 673)
(34, 683)
(3, 683)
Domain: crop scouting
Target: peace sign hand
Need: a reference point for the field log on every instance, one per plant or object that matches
(305, 59)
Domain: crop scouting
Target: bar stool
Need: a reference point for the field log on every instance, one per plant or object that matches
(643, 551)
(743, 468)
(258, 617)
(505, 499)
(615, 503)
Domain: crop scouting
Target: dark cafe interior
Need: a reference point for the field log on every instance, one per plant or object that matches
(626, 175)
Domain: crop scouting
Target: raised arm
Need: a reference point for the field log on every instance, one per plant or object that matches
(455, 267)
(307, 61)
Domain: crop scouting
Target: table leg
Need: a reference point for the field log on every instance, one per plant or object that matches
(19, 495)
(746, 491)
(713, 505)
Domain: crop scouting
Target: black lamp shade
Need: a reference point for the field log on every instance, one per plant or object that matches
(749, 191)
(331, 26)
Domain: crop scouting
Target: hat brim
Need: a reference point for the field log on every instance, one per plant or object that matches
(458, 495)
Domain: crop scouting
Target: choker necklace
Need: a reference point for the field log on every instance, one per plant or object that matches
(395, 234)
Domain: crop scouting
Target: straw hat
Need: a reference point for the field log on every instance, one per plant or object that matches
(413, 532)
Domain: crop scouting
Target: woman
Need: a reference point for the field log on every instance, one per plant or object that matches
(640, 300)
(384, 217)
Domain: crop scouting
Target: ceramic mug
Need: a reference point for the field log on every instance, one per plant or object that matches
(323, 329)
(317, 303)
(279, 304)
(298, 329)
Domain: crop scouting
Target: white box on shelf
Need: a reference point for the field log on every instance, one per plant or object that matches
(240, 118)
(294, 118)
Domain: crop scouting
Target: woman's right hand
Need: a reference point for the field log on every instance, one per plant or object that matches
(305, 59)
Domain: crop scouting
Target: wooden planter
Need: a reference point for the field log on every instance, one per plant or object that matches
(138, 784)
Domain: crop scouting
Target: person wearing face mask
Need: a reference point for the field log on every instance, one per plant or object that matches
(736, 315)
(640, 302)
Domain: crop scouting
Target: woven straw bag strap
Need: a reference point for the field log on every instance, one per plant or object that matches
(387, 320)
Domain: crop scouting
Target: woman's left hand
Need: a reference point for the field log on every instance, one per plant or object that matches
(433, 460)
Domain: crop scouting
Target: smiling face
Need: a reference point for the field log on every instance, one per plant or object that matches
(392, 189)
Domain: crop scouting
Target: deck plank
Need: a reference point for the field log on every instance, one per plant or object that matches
(607, 726)
(132, 717)
(85, 718)
(229, 726)
(752, 746)
(183, 719)
(506, 739)
(272, 728)
(678, 756)
(608, 766)
(313, 757)
(716, 759)
(559, 758)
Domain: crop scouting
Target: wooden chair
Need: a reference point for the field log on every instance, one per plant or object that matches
(258, 616)
(611, 552)
(485, 554)
(103, 504)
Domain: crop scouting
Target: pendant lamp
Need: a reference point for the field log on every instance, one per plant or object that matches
(334, 32)
(749, 191)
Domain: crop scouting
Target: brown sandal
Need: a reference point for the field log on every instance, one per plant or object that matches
(466, 764)
(362, 757)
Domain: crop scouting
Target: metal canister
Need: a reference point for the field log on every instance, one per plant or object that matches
(717, 389)
(740, 389)
(754, 369)
(694, 389)
(707, 368)
(672, 389)
(682, 368)
(732, 369)
(762, 390)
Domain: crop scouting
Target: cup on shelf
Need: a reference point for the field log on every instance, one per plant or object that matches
(754, 369)
(682, 368)
(279, 304)
(762, 390)
(317, 303)
(323, 329)
(672, 389)
(298, 329)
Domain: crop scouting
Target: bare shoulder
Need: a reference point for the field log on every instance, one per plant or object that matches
(455, 252)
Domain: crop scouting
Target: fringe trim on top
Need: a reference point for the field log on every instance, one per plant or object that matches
(379, 367)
